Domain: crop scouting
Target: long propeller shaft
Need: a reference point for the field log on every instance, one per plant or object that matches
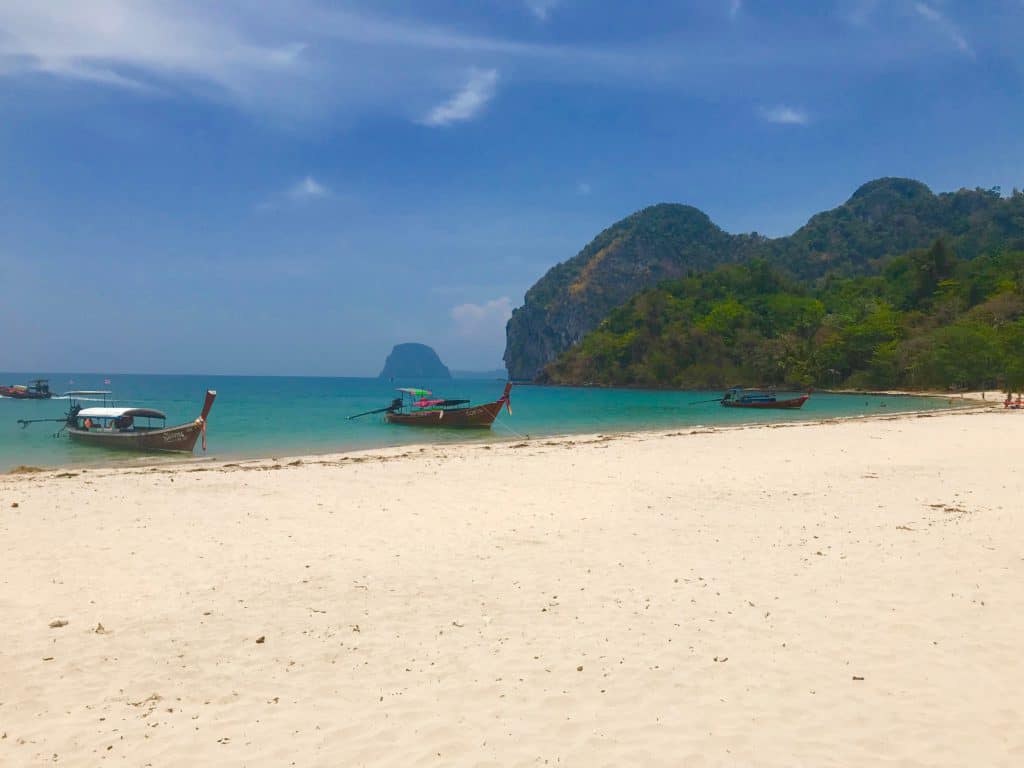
(370, 413)
(25, 422)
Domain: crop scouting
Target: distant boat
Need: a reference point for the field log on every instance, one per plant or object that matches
(418, 408)
(110, 427)
(737, 397)
(39, 389)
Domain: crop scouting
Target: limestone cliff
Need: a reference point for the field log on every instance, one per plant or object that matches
(882, 218)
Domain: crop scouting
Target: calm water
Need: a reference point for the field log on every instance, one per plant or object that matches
(279, 416)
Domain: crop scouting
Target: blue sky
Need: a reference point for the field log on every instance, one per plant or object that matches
(292, 187)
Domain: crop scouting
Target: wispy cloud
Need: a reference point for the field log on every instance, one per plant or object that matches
(583, 188)
(467, 102)
(296, 60)
(138, 44)
(944, 24)
(291, 58)
(307, 189)
(784, 115)
(860, 12)
(482, 322)
(542, 8)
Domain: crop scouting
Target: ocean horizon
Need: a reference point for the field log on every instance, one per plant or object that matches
(264, 416)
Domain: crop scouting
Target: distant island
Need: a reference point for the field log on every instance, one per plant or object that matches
(414, 361)
(897, 287)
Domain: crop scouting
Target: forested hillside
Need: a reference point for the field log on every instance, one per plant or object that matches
(929, 319)
(882, 219)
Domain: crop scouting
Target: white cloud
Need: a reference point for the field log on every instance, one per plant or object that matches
(482, 322)
(583, 188)
(138, 44)
(542, 8)
(293, 59)
(735, 6)
(945, 25)
(928, 12)
(307, 189)
(297, 61)
(784, 115)
(467, 102)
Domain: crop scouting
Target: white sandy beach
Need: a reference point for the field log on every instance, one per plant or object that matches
(847, 594)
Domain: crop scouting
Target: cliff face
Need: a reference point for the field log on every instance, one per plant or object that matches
(883, 218)
(655, 244)
(414, 361)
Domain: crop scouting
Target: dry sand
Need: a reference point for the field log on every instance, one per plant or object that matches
(845, 594)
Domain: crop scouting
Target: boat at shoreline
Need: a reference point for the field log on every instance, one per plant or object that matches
(37, 389)
(738, 397)
(417, 408)
(116, 428)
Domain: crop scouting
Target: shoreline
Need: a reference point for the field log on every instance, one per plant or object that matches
(146, 461)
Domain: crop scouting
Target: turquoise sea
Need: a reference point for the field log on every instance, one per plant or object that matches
(279, 416)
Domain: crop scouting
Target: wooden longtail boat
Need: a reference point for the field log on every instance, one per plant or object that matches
(421, 411)
(34, 390)
(738, 397)
(116, 428)
(450, 414)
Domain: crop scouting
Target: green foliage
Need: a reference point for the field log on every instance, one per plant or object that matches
(963, 354)
(883, 218)
(1011, 348)
(929, 320)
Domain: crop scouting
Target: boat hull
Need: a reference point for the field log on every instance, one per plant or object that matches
(469, 417)
(477, 417)
(796, 402)
(179, 439)
(20, 394)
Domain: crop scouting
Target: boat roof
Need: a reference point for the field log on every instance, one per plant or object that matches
(116, 413)
(415, 392)
(88, 392)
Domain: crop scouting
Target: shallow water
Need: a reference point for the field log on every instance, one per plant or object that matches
(278, 416)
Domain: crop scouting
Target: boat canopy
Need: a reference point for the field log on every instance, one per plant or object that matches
(85, 392)
(117, 413)
(415, 392)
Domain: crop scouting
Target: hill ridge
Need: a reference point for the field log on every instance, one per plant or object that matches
(883, 217)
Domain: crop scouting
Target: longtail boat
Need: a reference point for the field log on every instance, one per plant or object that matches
(737, 397)
(39, 389)
(116, 428)
(418, 408)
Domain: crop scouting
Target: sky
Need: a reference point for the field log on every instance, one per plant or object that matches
(293, 186)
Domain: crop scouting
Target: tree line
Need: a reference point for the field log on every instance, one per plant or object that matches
(927, 320)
